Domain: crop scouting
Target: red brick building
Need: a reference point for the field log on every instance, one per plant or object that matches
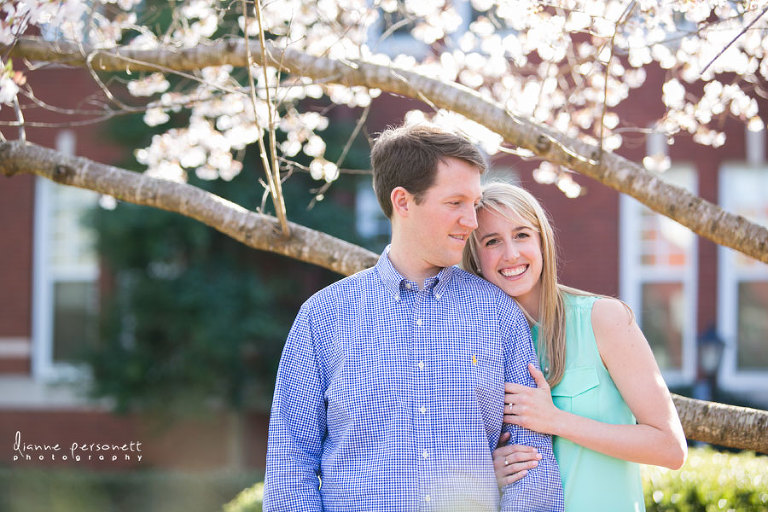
(50, 281)
(680, 286)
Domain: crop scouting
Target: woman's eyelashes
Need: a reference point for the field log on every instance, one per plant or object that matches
(520, 236)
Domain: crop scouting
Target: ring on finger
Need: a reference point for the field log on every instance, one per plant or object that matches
(506, 462)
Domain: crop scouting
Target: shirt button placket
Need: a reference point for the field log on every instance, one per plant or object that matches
(421, 421)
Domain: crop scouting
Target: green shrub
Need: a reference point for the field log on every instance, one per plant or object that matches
(249, 500)
(709, 481)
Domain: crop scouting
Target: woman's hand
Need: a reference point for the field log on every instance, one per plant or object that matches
(530, 408)
(512, 462)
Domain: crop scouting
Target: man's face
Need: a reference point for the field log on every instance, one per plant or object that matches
(440, 224)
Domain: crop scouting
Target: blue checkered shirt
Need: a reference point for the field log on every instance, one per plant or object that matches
(390, 398)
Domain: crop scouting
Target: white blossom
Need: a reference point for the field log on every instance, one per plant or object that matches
(315, 146)
(673, 93)
(8, 90)
(563, 66)
(570, 188)
(546, 173)
(156, 116)
(149, 85)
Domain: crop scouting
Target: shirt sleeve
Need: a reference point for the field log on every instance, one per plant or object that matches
(297, 425)
(541, 489)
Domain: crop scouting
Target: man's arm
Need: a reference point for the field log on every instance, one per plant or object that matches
(541, 489)
(297, 426)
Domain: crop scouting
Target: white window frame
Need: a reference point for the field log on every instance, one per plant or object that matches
(44, 368)
(370, 221)
(632, 277)
(728, 279)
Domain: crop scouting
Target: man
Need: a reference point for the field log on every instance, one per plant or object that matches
(389, 394)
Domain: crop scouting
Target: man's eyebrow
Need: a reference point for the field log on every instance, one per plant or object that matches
(462, 195)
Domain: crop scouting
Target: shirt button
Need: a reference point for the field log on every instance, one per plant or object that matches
(421, 365)
(409, 286)
(397, 297)
(427, 498)
(425, 454)
(423, 410)
(419, 322)
(437, 295)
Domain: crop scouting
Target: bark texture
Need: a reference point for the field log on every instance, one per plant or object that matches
(720, 424)
(253, 229)
(700, 216)
(724, 425)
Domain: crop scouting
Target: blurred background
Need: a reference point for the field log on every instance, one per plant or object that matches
(124, 324)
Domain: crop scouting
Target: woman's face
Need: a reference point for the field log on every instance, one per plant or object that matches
(509, 253)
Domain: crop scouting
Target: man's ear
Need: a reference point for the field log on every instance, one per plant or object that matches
(401, 200)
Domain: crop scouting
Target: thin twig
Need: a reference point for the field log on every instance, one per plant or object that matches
(279, 200)
(623, 19)
(354, 135)
(20, 117)
(100, 83)
(734, 40)
(322, 190)
(291, 166)
(272, 183)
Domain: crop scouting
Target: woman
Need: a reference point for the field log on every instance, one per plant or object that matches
(601, 393)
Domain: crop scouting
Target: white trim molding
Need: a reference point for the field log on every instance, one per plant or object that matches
(15, 348)
(741, 187)
(54, 262)
(26, 393)
(633, 274)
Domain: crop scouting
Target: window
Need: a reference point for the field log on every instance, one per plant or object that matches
(371, 223)
(743, 284)
(66, 275)
(658, 280)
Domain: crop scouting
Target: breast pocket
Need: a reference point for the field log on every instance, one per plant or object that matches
(577, 391)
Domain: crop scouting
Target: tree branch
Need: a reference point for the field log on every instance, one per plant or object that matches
(724, 425)
(700, 216)
(254, 230)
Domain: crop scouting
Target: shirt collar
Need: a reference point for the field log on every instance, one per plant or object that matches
(394, 282)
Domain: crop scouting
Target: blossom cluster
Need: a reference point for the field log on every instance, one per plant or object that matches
(567, 64)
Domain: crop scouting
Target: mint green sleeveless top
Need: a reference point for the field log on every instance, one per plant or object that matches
(592, 482)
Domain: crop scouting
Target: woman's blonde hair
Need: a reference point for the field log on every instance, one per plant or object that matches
(503, 198)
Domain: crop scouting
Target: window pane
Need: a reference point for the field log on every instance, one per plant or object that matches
(664, 242)
(753, 325)
(662, 322)
(72, 242)
(74, 319)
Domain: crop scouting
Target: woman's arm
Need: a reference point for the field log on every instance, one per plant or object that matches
(511, 462)
(657, 438)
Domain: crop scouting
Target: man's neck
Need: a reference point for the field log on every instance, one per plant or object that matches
(410, 266)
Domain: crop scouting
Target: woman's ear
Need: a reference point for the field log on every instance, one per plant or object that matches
(401, 200)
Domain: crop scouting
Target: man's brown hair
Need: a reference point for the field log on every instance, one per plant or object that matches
(408, 156)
